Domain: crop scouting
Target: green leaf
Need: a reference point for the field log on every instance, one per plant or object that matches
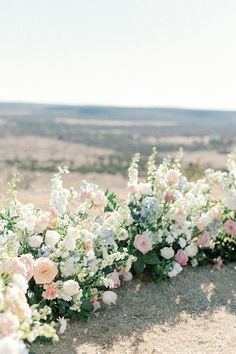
(87, 306)
(151, 258)
(139, 265)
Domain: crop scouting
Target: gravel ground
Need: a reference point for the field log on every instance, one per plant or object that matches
(195, 313)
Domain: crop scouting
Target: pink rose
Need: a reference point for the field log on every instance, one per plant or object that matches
(230, 227)
(181, 258)
(143, 243)
(114, 276)
(44, 271)
(50, 292)
(203, 240)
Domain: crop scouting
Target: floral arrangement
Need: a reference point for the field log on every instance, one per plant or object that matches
(67, 261)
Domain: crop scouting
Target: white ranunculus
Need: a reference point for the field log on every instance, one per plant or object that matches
(70, 287)
(167, 252)
(176, 270)
(109, 297)
(51, 238)
(35, 241)
(191, 250)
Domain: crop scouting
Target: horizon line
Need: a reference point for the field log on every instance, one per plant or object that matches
(70, 104)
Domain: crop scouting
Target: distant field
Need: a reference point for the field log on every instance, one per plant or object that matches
(99, 141)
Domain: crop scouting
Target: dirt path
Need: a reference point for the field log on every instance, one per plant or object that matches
(195, 313)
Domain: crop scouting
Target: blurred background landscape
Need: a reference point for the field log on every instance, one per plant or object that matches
(97, 142)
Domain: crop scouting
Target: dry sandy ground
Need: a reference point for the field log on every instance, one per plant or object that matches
(194, 314)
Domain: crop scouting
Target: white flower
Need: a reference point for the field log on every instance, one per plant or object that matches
(10, 345)
(20, 281)
(191, 250)
(170, 239)
(176, 270)
(63, 323)
(172, 176)
(69, 243)
(108, 283)
(194, 262)
(128, 276)
(35, 241)
(109, 297)
(145, 188)
(182, 242)
(51, 238)
(167, 252)
(70, 287)
(230, 199)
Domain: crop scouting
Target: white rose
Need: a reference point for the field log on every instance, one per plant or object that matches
(176, 270)
(35, 241)
(191, 250)
(109, 297)
(182, 242)
(69, 243)
(167, 252)
(70, 287)
(51, 238)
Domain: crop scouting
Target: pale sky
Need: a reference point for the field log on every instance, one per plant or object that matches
(178, 53)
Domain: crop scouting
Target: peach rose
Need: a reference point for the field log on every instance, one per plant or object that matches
(143, 243)
(181, 258)
(50, 292)
(44, 271)
(230, 227)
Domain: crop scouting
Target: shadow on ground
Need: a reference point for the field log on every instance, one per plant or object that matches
(199, 306)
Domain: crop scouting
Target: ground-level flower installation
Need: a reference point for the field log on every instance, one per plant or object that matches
(66, 262)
